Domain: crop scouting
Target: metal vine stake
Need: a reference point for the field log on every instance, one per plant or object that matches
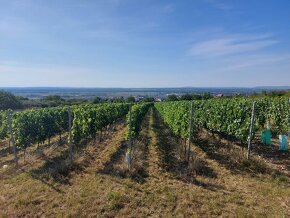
(251, 129)
(12, 137)
(190, 130)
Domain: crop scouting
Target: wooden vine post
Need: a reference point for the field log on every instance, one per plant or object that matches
(190, 131)
(70, 137)
(251, 130)
(12, 138)
(129, 159)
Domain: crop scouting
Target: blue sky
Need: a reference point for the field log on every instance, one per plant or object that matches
(144, 43)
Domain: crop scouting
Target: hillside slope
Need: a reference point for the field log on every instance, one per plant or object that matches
(159, 185)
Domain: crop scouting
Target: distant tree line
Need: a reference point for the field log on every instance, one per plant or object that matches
(275, 93)
(51, 101)
(130, 99)
(189, 97)
(9, 101)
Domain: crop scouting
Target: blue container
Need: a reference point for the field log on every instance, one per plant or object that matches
(283, 139)
(263, 137)
(266, 137)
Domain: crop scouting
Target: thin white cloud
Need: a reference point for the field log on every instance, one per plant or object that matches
(250, 61)
(231, 45)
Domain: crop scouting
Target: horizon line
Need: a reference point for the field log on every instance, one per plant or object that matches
(167, 87)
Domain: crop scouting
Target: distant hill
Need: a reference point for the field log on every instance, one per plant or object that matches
(272, 88)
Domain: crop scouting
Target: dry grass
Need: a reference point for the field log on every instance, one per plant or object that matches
(160, 184)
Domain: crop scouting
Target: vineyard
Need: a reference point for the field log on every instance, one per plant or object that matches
(227, 116)
(36, 126)
(107, 133)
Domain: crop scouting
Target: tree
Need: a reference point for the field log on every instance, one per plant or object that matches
(75, 101)
(276, 93)
(118, 100)
(97, 100)
(206, 96)
(147, 99)
(9, 101)
(53, 98)
(187, 97)
(191, 96)
(130, 99)
(171, 98)
(196, 97)
(21, 98)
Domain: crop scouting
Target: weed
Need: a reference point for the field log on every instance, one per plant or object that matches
(117, 200)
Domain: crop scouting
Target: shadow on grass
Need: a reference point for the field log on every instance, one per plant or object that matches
(273, 154)
(32, 151)
(44, 181)
(56, 170)
(266, 151)
(116, 165)
(168, 146)
(231, 157)
(8, 162)
(5, 150)
(59, 170)
(109, 166)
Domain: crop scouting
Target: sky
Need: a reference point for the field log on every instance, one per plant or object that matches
(144, 43)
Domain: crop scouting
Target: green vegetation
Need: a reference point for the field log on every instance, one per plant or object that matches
(227, 116)
(138, 112)
(189, 97)
(89, 119)
(9, 101)
(159, 182)
(222, 184)
(3, 125)
(56, 100)
(37, 125)
(53, 98)
(97, 100)
(147, 99)
(50, 101)
(278, 93)
(131, 99)
(172, 98)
